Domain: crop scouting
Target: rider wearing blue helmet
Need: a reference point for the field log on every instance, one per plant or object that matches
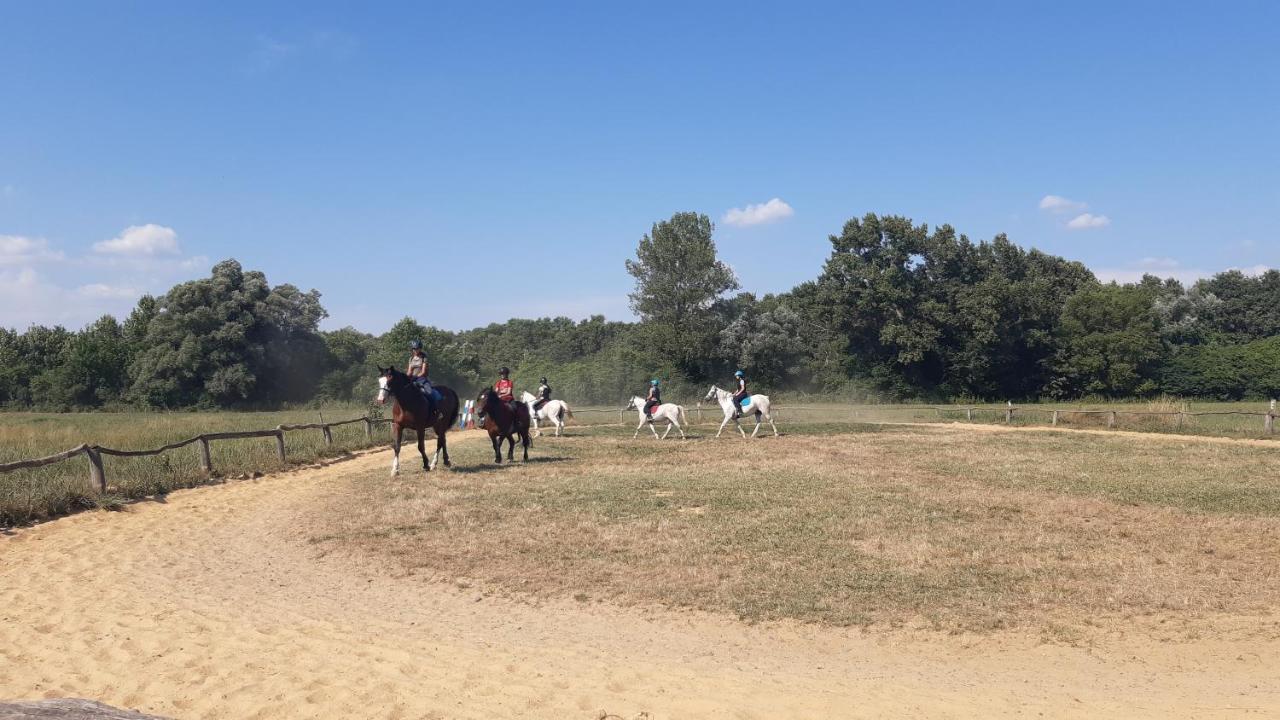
(740, 393)
(653, 400)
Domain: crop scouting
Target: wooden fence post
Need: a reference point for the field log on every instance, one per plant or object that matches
(205, 463)
(1111, 419)
(97, 477)
(1269, 424)
(280, 444)
(1181, 417)
(1055, 417)
(968, 414)
(1008, 415)
(328, 436)
(368, 429)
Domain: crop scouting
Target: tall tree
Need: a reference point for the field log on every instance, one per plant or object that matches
(228, 340)
(678, 278)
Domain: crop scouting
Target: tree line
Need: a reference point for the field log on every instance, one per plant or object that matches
(898, 311)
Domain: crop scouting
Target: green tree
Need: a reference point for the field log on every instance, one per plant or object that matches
(678, 278)
(230, 340)
(1109, 343)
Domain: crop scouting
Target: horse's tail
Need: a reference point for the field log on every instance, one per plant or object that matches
(680, 416)
(457, 402)
(565, 412)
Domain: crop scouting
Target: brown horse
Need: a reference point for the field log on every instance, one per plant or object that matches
(502, 423)
(410, 410)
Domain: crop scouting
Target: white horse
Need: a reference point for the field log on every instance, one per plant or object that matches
(758, 404)
(554, 410)
(671, 412)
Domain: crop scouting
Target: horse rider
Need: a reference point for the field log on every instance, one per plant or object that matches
(740, 394)
(505, 389)
(544, 395)
(418, 369)
(653, 400)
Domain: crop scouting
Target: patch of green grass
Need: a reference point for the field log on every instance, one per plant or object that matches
(30, 495)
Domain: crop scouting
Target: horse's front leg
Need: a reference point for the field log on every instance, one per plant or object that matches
(739, 425)
(655, 430)
(396, 431)
(511, 446)
(497, 448)
(637, 433)
(724, 422)
(422, 450)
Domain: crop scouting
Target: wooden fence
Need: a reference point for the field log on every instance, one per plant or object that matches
(98, 475)
(1055, 415)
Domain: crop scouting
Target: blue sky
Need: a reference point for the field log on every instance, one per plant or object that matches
(469, 162)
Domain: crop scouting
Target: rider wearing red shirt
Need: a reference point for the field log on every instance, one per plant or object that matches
(505, 389)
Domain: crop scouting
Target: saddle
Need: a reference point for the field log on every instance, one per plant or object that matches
(654, 410)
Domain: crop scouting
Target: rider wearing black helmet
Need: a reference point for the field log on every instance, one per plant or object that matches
(505, 389)
(418, 369)
(544, 394)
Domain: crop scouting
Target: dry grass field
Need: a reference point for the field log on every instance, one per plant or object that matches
(893, 571)
(949, 527)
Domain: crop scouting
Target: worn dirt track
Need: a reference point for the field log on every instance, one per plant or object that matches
(215, 604)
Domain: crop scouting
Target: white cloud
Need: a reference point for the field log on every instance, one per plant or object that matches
(1167, 268)
(1158, 263)
(22, 250)
(1059, 204)
(1088, 221)
(149, 239)
(104, 291)
(757, 214)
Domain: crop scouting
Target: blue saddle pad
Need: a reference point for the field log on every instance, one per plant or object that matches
(745, 401)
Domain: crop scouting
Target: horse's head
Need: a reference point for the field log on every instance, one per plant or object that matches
(486, 397)
(711, 394)
(631, 404)
(389, 381)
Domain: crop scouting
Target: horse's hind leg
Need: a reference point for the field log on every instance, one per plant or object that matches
(524, 440)
(442, 443)
(670, 424)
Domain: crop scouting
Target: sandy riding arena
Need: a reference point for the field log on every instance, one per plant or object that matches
(300, 595)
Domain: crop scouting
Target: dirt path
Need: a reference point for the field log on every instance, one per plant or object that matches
(214, 604)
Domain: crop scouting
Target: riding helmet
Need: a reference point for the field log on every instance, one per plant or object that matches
(504, 370)
(543, 381)
(653, 382)
(415, 344)
(739, 374)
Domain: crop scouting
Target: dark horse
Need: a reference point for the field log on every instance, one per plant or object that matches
(502, 423)
(410, 410)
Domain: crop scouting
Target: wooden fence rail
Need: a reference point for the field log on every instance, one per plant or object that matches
(98, 476)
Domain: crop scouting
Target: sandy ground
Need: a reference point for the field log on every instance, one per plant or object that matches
(214, 604)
